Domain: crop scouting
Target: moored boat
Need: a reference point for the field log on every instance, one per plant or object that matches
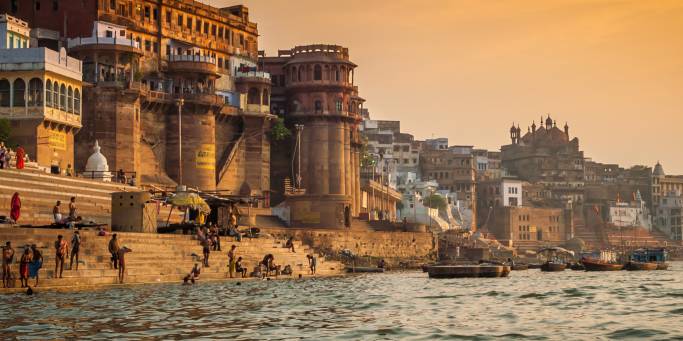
(598, 265)
(652, 257)
(662, 266)
(640, 266)
(467, 271)
(364, 269)
(519, 267)
(553, 267)
(577, 266)
(535, 266)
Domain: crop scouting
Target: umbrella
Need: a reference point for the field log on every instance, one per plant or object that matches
(190, 199)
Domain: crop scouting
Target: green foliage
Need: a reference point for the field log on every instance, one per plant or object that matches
(366, 160)
(279, 131)
(435, 201)
(5, 130)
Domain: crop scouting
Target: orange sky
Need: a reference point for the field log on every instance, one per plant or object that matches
(467, 69)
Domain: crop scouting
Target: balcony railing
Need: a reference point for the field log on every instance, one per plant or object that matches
(191, 58)
(254, 74)
(42, 112)
(74, 42)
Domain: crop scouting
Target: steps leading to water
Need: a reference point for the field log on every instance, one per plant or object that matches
(155, 257)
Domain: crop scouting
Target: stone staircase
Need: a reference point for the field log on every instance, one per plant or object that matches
(155, 257)
(39, 192)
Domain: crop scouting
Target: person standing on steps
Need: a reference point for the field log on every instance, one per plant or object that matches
(72, 209)
(61, 251)
(23, 267)
(114, 251)
(231, 260)
(312, 263)
(15, 207)
(75, 248)
(7, 260)
(36, 263)
(206, 250)
(347, 216)
(122, 261)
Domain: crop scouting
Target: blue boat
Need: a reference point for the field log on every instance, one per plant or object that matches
(648, 259)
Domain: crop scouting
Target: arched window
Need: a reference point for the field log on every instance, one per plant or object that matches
(292, 74)
(48, 93)
(336, 74)
(318, 106)
(266, 97)
(35, 92)
(253, 96)
(19, 92)
(55, 95)
(4, 93)
(62, 97)
(300, 76)
(338, 105)
(77, 101)
(70, 99)
(317, 73)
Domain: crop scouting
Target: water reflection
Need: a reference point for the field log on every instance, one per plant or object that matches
(397, 305)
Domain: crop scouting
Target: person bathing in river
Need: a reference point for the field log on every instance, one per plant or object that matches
(23, 267)
(36, 263)
(7, 260)
(122, 262)
(193, 275)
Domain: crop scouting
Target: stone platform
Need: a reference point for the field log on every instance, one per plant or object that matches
(155, 258)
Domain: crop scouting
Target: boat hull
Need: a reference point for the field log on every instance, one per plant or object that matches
(662, 266)
(553, 267)
(592, 265)
(640, 266)
(518, 267)
(468, 271)
(364, 270)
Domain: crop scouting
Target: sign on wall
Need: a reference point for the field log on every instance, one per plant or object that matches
(57, 139)
(206, 157)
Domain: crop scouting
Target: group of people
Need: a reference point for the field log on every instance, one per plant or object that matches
(6, 157)
(71, 219)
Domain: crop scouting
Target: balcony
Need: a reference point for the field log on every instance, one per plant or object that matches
(253, 77)
(41, 113)
(104, 43)
(192, 64)
(202, 99)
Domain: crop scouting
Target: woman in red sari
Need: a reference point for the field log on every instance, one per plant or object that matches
(20, 157)
(16, 207)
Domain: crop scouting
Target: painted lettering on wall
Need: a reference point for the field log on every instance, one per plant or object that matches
(206, 157)
(57, 139)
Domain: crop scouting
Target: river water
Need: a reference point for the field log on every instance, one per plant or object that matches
(573, 305)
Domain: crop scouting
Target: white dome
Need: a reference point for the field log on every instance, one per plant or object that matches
(97, 161)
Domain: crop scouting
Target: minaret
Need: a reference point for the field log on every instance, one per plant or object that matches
(533, 126)
(566, 129)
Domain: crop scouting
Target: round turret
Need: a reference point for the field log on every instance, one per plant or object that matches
(659, 170)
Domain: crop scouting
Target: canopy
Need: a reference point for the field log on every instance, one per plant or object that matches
(190, 199)
(556, 249)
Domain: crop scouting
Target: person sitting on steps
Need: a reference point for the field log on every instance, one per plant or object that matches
(290, 244)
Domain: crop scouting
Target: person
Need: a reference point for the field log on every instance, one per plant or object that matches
(69, 171)
(15, 208)
(8, 157)
(215, 238)
(206, 251)
(121, 176)
(3, 151)
(312, 263)
(381, 264)
(23, 267)
(122, 261)
(232, 232)
(114, 251)
(20, 154)
(290, 244)
(72, 209)
(347, 216)
(75, 248)
(101, 232)
(57, 212)
(269, 263)
(240, 269)
(231, 260)
(7, 260)
(193, 275)
(61, 251)
(36, 263)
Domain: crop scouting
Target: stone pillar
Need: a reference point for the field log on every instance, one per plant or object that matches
(319, 159)
(336, 158)
(348, 166)
(356, 178)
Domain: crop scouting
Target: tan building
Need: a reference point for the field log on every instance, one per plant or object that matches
(40, 94)
(531, 227)
(176, 94)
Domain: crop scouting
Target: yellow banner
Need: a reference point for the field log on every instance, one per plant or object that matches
(57, 140)
(206, 157)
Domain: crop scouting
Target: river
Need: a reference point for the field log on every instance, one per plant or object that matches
(573, 305)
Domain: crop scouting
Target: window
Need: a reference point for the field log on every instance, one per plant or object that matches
(318, 106)
(155, 47)
(206, 28)
(168, 50)
(55, 95)
(253, 96)
(338, 105)
(112, 4)
(180, 20)
(266, 97)
(4, 93)
(198, 25)
(147, 12)
(48, 93)
(213, 30)
(19, 92)
(189, 23)
(148, 45)
(37, 5)
(35, 92)
(168, 17)
(220, 32)
(317, 73)
(70, 100)
(62, 97)
(55, 5)
(155, 14)
(77, 101)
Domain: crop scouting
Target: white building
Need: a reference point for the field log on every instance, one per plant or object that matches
(630, 214)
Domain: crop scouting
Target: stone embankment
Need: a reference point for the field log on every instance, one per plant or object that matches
(155, 257)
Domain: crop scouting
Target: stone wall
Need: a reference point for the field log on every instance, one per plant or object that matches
(394, 247)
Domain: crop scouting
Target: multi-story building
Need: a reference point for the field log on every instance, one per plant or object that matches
(531, 227)
(175, 96)
(488, 164)
(609, 182)
(547, 156)
(454, 170)
(40, 94)
(314, 87)
(629, 213)
(666, 201)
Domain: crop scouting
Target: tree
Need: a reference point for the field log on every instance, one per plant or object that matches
(5, 130)
(435, 201)
(279, 131)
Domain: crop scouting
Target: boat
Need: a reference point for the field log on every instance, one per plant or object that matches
(467, 271)
(364, 269)
(551, 266)
(648, 259)
(577, 266)
(640, 266)
(599, 265)
(519, 267)
(535, 265)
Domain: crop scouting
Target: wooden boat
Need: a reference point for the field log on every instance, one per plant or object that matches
(662, 266)
(364, 269)
(467, 271)
(553, 267)
(518, 267)
(534, 266)
(577, 266)
(597, 265)
(640, 266)
(657, 257)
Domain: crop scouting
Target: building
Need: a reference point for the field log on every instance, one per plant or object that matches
(313, 88)
(151, 62)
(548, 156)
(530, 228)
(666, 201)
(606, 183)
(453, 170)
(41, 95)
(488, 164)
(632, 213)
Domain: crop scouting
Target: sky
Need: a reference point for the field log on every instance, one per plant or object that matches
(467, 70)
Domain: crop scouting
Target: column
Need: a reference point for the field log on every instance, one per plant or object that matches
(305, 156)
(337, 182)
(321, 158)
(348, 166)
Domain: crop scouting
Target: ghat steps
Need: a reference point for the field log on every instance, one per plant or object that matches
(155, 257)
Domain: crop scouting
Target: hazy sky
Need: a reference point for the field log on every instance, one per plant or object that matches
(467, 69)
